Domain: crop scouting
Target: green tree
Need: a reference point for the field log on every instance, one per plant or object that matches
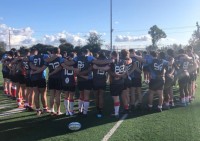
(94, 42)
(195, 39)
(156, 34)
(65, 46)
(42, 48)
(2, 48)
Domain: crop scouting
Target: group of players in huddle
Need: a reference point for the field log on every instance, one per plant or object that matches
(24, 73)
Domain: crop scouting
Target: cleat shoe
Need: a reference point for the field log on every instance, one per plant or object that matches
(171, 103)
(30, 109)
(39, 112)
(59, 113)
(166, 107)
(114, 116)
(45, 111)
(53, 113)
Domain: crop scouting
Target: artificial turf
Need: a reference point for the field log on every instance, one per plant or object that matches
(180, 123)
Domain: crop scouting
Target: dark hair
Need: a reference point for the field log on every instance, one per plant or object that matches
(55, 50)
(170, 52)
(131, 50)
(154, 53)
(114, 54)
(124, 53)
(102, 56)
(181, 51)
(162, 55)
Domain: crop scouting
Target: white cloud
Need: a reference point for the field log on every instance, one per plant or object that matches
(127, 38)
(71, 38)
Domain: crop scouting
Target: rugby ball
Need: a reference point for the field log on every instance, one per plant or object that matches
(74, 126)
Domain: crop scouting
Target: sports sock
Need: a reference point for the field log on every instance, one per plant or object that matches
(183, 100)
(187, 99)
(71, 105)
(85, 107)
(116, 107)
(160, 107)
(80, 105)
(66, 103)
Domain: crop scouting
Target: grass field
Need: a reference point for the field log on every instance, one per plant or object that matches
(178, 124)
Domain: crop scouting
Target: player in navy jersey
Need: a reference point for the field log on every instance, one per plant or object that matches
(29, 90)
(157, 81)
(6, 72)
(54, 81)
(38, 74)
(146, 68)
(192, 69)
(117, 72)
(99, 83)
(169, 81)
(84, 77)
(69, 85)
(136, 76)
(182, 62)
(125, 56)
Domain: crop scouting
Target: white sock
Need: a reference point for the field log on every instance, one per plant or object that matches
(160, 107)
(187, 99)
(183, 100)
(116, 110)
(52, 110)
(66, 103)
(71, 106)
(80, 105)
(85, 107)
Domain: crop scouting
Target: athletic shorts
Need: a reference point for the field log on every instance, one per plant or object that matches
(5, 75)
(156, 84)
(116, 89)
(168, 82)
(127, 83)
(21, 79)
(184, 80)
(14, 78)
(136, 82)
(55, 84)
(146, 68)
(193, 77)
(99, 87)
(28, 82)
(41, 83)
(85, 85)
(69, 88)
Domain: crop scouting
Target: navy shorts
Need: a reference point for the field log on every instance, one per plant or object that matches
(55, 84)
(116, 89)
(85, 85)
(5, 75)
(69, 88)
(156, 84)
(136, 82)
(41, 83)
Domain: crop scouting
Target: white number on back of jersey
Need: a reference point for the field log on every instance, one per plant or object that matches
(69, 72)
(120, 69)
(54, 65)
(26, 65)
(80, 64)
(158, 67)
(37, 61)
(100, 72)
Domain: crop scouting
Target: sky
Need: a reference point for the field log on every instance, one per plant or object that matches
(46, 21)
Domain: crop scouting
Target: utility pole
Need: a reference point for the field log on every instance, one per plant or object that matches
(111, 30)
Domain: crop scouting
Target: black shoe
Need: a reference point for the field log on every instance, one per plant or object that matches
(139, 106)
(132, 108)
(114, 116)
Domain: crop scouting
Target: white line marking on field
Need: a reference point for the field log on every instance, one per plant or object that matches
(11, 112)
(112, 131)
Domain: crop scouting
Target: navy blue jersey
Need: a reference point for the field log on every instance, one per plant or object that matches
(38, 61)
(53, 65)
(139, 64)
(99, 76)
(118, 67)
(83, 63)
(26, 65)
(157, 67)
(68, 78)
(182, 63)
(5, 68)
